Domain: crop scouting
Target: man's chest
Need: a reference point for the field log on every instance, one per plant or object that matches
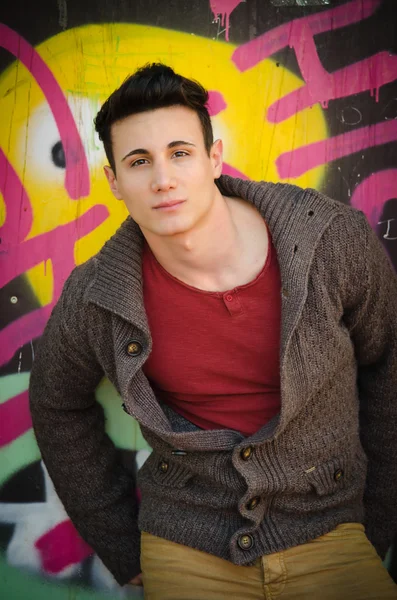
(216, 339)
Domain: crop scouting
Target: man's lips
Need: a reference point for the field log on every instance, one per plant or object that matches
(169, 204)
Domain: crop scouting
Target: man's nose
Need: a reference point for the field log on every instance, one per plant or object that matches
(163, 178)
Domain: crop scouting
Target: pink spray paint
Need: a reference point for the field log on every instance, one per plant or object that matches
(15, 419)
(56, 245)
(371, 195)
(297, 162)
(61, 547)
(77, 177)
(249, 54)
(367, 75)
(216, 103)
(19, 215)
(321, 86)
(223, 9)
(17, 254)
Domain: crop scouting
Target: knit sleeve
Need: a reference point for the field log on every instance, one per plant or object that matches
(97, 492)
(374, 334)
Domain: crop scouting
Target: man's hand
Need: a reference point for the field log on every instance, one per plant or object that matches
(137, 580)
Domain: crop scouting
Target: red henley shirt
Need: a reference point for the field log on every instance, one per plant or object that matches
(215, 356)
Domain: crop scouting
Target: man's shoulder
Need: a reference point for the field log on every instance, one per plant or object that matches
(284, 203)
(340, 230)
(73, 301)
(340, 214)
(340, 255)
(287, 196)
(81, 279)
(303, 196)
(346, 217)
(343, 220)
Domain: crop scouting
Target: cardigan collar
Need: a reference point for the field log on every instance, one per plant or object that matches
(296, 219)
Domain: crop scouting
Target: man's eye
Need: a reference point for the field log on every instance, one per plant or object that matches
(140, 161)
(180, 153)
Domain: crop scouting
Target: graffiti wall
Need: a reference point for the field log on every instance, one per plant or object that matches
(302, 92)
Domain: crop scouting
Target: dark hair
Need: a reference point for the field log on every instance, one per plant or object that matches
(152, 86)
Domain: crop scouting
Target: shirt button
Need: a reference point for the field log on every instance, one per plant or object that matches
(338, 475)
(246, 453)
(245, 541)
(229, 298)
(134, 348)
(253, 503)
(163, 466)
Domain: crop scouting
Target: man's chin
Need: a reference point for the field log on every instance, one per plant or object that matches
(168, 231)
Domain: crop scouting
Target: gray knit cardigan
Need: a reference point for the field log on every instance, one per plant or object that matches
(329, 457)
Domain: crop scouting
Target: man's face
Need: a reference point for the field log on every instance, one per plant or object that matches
(164, 173)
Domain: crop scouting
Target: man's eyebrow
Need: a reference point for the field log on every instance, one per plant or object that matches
(136, 151)
(146, 152)
(179, 143)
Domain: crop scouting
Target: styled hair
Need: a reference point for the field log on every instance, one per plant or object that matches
(152, 86)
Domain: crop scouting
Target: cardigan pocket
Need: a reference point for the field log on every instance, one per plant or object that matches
(329, 477)
(167, 472)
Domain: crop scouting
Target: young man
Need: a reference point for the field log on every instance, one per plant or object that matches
(251, 330)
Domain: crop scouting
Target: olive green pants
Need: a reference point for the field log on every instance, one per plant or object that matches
(341, 565)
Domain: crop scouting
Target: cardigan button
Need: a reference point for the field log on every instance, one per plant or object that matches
(134, 348)
(253, 503)
(246, 453)
(163, 466)
(338, 475)
(245, 541)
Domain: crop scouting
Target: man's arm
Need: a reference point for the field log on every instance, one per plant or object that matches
(374, 333)
(96, 491)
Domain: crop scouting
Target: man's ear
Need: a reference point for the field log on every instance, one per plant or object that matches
(216, 156)
(111, 177)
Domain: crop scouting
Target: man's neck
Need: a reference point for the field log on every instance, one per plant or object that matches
(219, 253)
